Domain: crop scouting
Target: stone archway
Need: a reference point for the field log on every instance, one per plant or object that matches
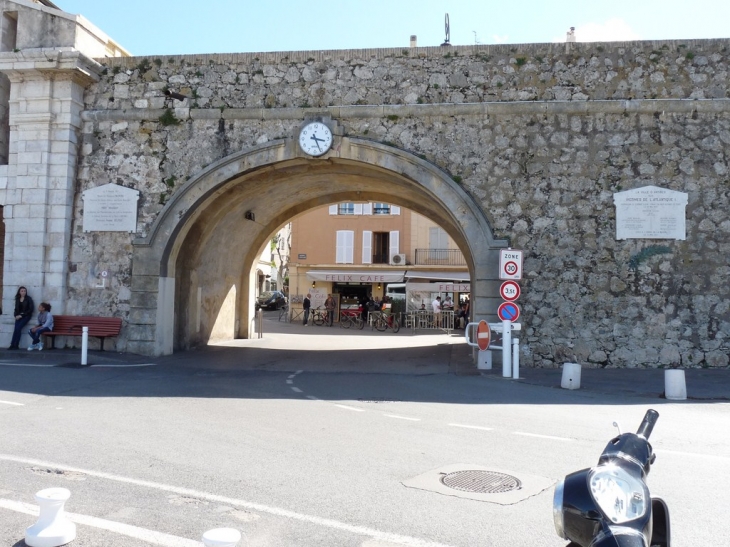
(191, 272)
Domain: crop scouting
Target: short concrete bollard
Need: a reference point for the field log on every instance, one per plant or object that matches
(675, 387)
(221, 537)
(571, 376)
(484, 360)
(53, 528)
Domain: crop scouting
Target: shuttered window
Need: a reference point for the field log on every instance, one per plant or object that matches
(345, 247)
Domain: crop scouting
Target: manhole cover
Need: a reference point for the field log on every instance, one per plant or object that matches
(482, 482)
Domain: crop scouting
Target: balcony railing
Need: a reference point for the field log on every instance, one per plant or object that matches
(440, 257)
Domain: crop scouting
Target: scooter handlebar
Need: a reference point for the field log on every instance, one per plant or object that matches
(648, 423)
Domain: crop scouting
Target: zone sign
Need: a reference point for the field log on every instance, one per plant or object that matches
(510, 264)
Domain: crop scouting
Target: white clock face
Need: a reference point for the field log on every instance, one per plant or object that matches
(315, 138)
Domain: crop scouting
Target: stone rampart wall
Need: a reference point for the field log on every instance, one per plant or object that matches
(544, 170)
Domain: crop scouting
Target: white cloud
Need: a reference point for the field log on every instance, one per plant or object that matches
(500, 39)
(613, 30)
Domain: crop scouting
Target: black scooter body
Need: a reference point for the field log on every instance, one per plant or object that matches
(583, 521)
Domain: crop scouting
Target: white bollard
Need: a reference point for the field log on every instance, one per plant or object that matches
(84, 345)
(53, 528)
(221, 537)
(571, 376)
(484, 360)
(675, 387)
(515, 358)
(506, 348)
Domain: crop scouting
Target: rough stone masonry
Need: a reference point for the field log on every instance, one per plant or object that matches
(540, 135)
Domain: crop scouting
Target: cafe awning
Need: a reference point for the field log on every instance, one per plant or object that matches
(438, 276)
(362, 276)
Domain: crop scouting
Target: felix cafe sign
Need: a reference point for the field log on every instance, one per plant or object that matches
(362, 278)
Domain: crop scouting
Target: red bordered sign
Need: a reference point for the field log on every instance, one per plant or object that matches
(509, 291)
(484, 335)
(508, 311)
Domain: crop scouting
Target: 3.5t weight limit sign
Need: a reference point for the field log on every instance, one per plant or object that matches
(509, 291)
(510, 264)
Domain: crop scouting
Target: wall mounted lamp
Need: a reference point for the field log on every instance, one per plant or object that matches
(378, 286)
(312, 284)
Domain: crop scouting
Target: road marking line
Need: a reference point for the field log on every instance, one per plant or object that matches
(313, 398)
(290, 381)
(402, 417)
(351, 408)
(277, 511)
(148, 536)
(472, 427)
(12, 403)
(296, 389)
(126, 366)
(26, 365)
(541, 436)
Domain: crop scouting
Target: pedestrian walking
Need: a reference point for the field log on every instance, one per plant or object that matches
(329, 305)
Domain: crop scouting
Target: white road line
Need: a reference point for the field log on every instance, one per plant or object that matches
(11, 403)
(351, 408)
(402, 417)
(148, 536)
(294, 388)
(126, 366)
(25, 365)
(313, 398)
(319, 521)
(541, 436)
(472, 427)
(290, 381)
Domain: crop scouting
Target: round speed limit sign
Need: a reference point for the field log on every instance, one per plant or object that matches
(509, 291)
(511, 268)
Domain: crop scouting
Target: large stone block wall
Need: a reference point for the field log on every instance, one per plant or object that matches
(542, 136)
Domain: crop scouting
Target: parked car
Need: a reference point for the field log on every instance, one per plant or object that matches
(270, 300)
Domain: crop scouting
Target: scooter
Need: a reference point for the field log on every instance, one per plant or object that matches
(609, 505)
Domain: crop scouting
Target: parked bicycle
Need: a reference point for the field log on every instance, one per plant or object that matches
(284, 313)
(350, 318)
(383, 321)
(319, 316)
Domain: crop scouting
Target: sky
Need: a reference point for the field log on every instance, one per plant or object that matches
(166, 27)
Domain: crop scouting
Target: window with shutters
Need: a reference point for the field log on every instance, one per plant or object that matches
(367, 247)
(346, 209)
(381, 209)
(438, 244)
(344, 251)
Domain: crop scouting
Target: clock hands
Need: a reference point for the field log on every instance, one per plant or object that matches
(317, 141)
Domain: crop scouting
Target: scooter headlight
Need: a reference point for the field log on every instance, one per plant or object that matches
(621, 496)
(558, 517)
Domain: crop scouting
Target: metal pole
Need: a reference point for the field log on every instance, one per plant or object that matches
(260, 323)
(84, 345)
(515, 358)
(506, 348)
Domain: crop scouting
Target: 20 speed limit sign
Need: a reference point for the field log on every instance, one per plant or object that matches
(509, 291)
(510, 264)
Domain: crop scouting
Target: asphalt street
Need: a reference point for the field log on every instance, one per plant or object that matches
(320, 436)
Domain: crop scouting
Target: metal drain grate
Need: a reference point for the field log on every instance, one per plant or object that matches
(482, 482)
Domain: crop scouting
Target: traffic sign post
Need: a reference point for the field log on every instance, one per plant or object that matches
(510, 264)
(509, 291)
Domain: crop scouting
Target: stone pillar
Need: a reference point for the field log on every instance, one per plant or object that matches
(46, 100)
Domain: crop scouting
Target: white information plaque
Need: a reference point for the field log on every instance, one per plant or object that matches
(650, 213)
(110, 208)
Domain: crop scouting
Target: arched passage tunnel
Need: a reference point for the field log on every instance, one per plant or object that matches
(204, 247)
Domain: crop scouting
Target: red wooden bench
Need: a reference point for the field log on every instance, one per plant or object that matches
(71, 325)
